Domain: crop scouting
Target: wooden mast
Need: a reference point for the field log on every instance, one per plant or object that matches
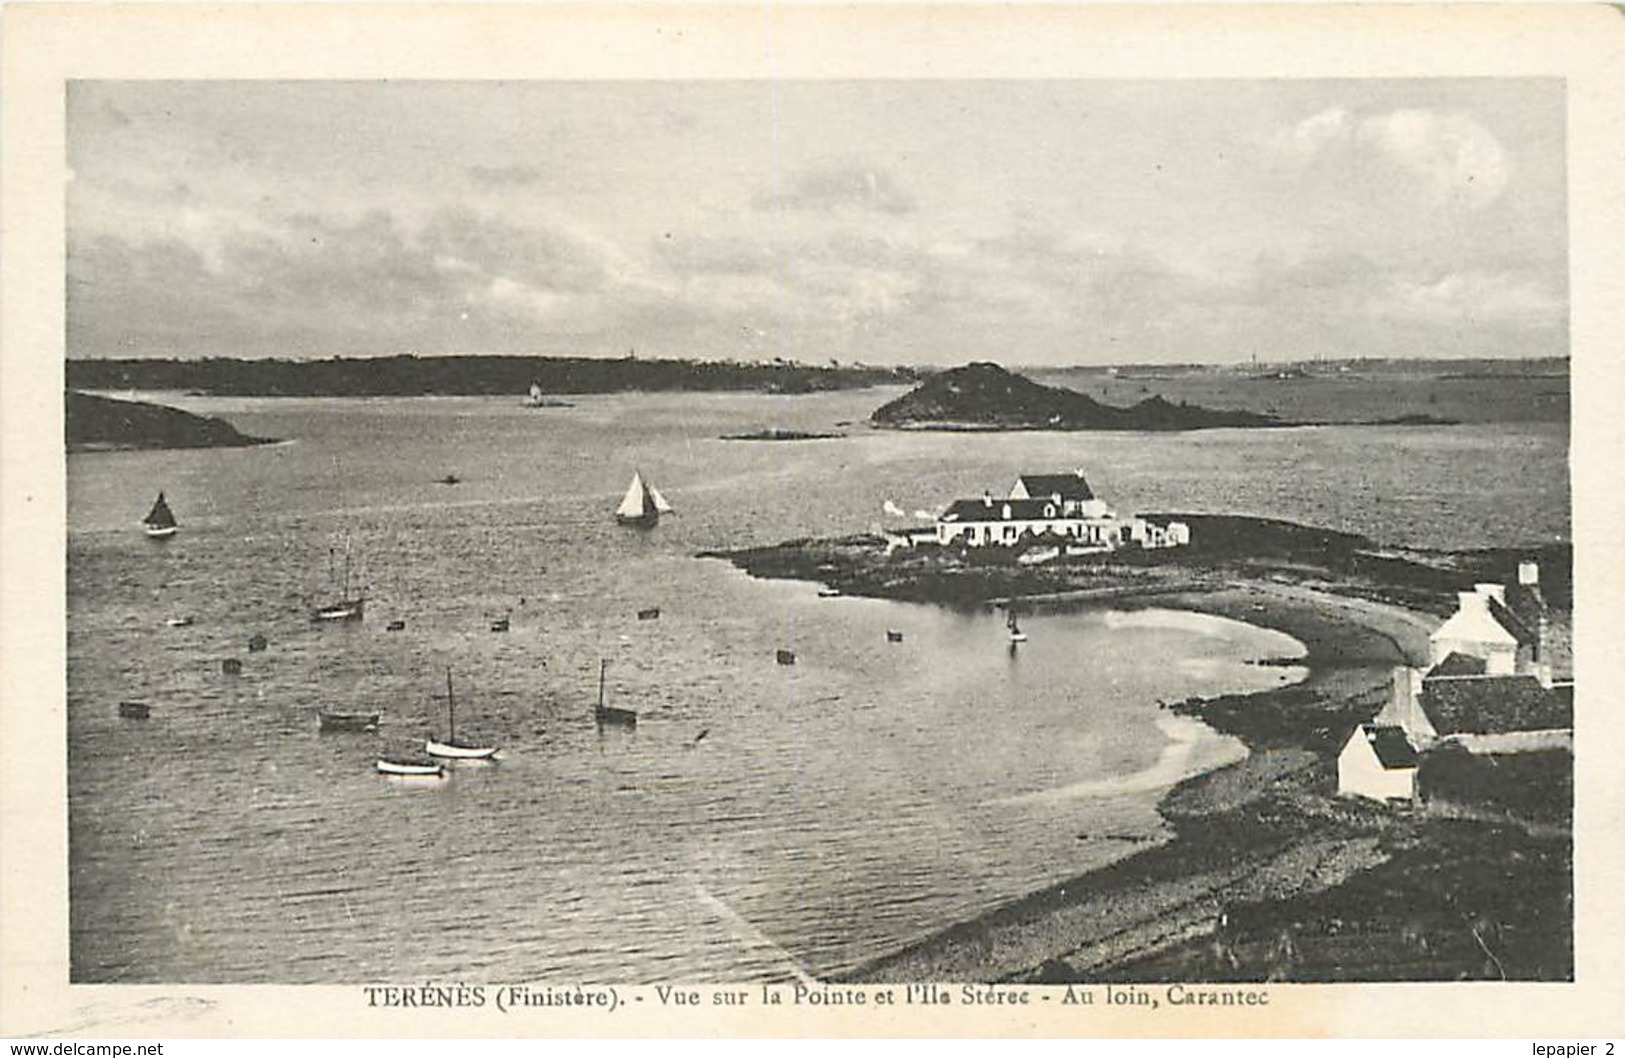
(451, 711)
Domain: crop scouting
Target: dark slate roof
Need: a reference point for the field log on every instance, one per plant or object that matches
(1520, 630)
(1457, 664)
(1527, 602)
(1389, 743)
(1069, 486)
(1492, 705)
(977, 511)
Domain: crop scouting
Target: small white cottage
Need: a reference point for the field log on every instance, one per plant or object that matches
(1377, 762)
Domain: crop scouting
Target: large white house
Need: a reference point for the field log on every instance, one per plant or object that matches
(1060, 507)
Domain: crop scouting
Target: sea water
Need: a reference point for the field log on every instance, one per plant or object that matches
(762, 818)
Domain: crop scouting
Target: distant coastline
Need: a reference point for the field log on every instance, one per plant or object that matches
(471, 376)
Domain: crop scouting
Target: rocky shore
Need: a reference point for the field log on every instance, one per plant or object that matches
(1265, 874)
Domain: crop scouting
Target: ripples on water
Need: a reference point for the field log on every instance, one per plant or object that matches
(833, 810)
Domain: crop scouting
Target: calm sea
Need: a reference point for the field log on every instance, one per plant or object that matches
(761, 818)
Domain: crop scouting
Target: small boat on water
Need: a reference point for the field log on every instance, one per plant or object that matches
(410, 770)
(232, 666)
(160, 521)
(396, 625)
(336, 723)
(537, 399)
(351, 604)
(179, 622)
(134, 710)
(257, 643)
(1016, 634)
(500, 624)
(828, 593)
(608, 714)
(451, 748)
(786, 657)
(642, 505)
(449, 479)
(650, 614)
(893, 636)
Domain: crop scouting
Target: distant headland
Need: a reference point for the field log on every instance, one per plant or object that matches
(101, 423)
(472, 376)
(984, 396)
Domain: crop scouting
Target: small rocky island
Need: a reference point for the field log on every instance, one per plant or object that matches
(102, 424)
(984, 396)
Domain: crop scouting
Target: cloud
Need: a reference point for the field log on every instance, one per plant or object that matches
(1304, 142)
(1453, 156)
(1449, 157)
(850, 186)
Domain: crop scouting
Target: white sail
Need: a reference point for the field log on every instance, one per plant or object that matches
(632, 505)
(659, 501)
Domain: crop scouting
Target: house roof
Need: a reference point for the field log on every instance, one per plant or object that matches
(1067, 486)
(1389, 743)
(1457, 664)
(980, 511)
(1490, 705)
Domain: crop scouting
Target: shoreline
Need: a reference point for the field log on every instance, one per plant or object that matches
(1177, 889)
(1268, 874)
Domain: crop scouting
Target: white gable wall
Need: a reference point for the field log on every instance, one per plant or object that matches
(1361, 774)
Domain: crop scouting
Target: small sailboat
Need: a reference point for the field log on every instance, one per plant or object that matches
(451, 748)
(608, 714)
(160, 521)
(134, 710)
(351, 603)
(643, 505)
(1016, 634)
(410, 770)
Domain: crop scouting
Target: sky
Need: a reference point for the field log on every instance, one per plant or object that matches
(884, 222)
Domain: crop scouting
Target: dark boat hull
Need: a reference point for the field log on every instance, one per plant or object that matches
(638, 521)
(609, 715)
(332, 723)
(134, 710)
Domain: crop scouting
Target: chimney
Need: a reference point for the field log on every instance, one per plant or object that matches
(1498, 592)
(1528, 574)
(987, 498)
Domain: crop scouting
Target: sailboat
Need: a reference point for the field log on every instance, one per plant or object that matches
(160, 521)
(450, 748)
(351, 604)
(537, 399)
(1016, 634)
(643, 505)
(608, 714)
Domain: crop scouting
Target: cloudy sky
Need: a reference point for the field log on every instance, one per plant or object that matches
(884, 222)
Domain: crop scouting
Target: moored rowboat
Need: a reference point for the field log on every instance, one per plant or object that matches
(395, 767)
